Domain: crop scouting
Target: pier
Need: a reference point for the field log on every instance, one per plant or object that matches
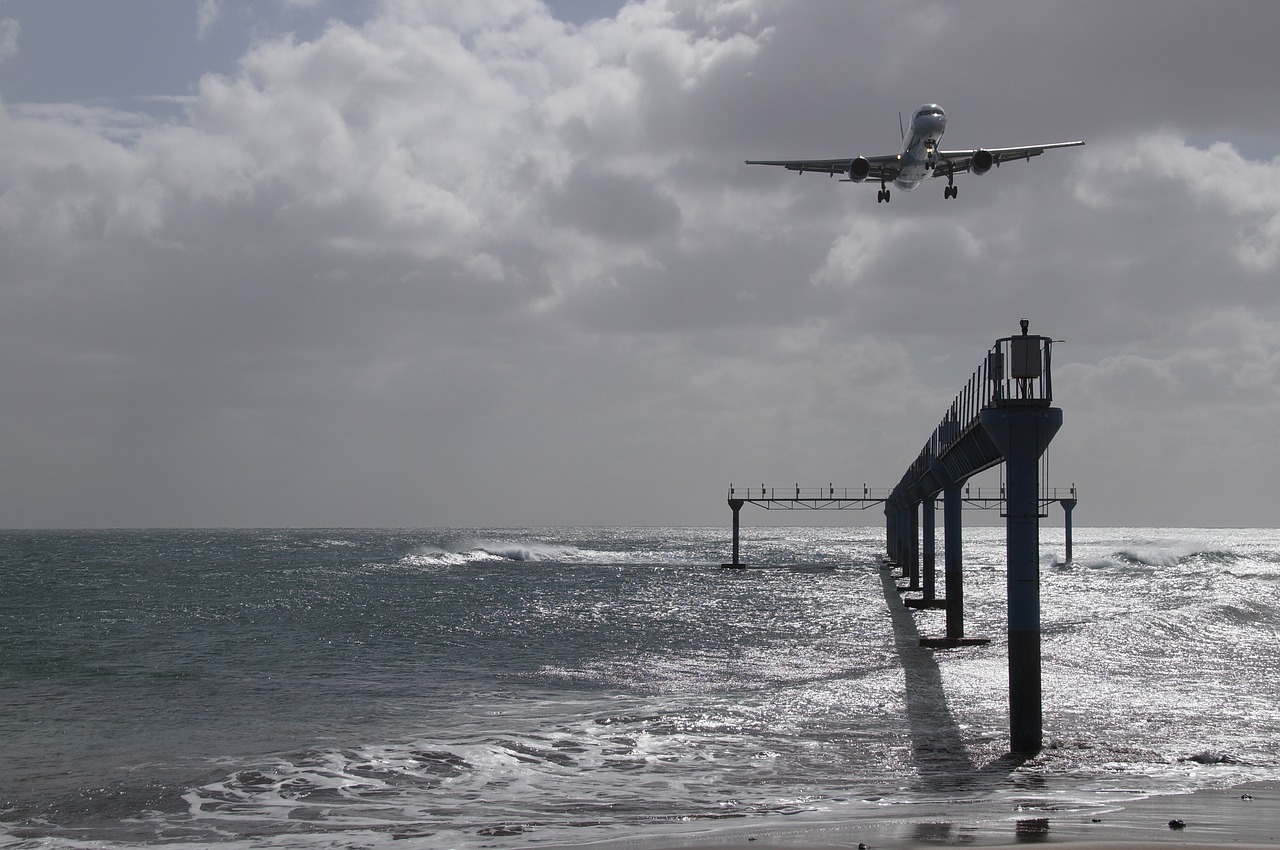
(1003, 415)
(829, 498)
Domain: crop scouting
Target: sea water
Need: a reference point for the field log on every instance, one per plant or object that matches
(516, 687)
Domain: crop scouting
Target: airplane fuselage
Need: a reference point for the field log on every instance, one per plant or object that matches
(918, 153)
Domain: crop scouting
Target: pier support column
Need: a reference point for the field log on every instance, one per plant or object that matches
(890, 534)
(952, 564)
(930, 524)
(912, 572)
(735, 505)
(1022, 434)
(1068, 505)
(900, 537)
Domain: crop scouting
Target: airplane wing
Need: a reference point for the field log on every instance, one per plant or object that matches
(958, 162)
(882, 167)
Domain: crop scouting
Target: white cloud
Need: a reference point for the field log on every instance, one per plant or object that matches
(10, 29)
(1238, 196)
(207, 15)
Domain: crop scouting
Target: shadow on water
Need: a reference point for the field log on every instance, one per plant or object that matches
(938, 747)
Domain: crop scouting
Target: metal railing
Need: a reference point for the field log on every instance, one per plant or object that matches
(831, 493)
(996, 494)
(797, 493)
(1017, 372)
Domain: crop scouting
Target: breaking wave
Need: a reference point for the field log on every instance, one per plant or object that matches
(480, 551)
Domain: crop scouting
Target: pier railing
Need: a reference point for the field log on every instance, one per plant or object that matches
(830, 497)
(990, 498)
(766, 493)
(996, 494)
(1017, 372)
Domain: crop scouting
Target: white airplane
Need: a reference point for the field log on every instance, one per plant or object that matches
(917, 159)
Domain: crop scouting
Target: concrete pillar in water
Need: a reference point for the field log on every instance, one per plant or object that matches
(1022, 434)
(1068, 505)
(895, 520)
(735, 505)
(890, 535)
(903, 559)
(891, 521)
(912, 572)
(952, 565)
(930, 584)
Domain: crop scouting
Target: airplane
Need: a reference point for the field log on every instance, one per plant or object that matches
(918, 158)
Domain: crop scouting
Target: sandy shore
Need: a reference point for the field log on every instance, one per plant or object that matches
(1241, 817)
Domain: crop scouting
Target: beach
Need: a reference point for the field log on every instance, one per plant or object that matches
(1244, 816)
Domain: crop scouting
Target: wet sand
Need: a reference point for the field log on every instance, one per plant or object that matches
(1240, 817)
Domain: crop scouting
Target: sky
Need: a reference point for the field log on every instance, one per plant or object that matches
(499, 262)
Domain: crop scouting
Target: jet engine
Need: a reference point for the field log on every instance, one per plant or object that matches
(981, 162)
(859, 168)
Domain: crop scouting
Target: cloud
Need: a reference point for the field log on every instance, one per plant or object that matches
(10, 29)
(207, 15)
(363, 192)
(1195, 404)
(465, 263)
(1240, 197)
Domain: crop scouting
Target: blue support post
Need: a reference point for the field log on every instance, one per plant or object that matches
(930, 583)
(1022, 434)
(735, 505)
(900, 556)
(1068, 505)
(904, 552)
(929, 586)
(890, 534)
(913, 546)
(952, 561)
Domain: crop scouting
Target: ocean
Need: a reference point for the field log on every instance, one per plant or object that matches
(519, 687)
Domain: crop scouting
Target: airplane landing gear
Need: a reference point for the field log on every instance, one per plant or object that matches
(950, 191)
(883, 197)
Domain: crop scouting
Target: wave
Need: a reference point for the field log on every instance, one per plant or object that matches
(447, 792)
(1154, 556)
(1171, 556)
(512, 551)
(1211, 757)
(480, 551)
(432, 556)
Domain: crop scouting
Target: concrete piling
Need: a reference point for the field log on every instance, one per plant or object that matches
(952, 560)
(1023, 435)
(929, 554)
(1068, 505)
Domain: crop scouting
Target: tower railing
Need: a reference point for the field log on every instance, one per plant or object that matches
(1017, 372)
